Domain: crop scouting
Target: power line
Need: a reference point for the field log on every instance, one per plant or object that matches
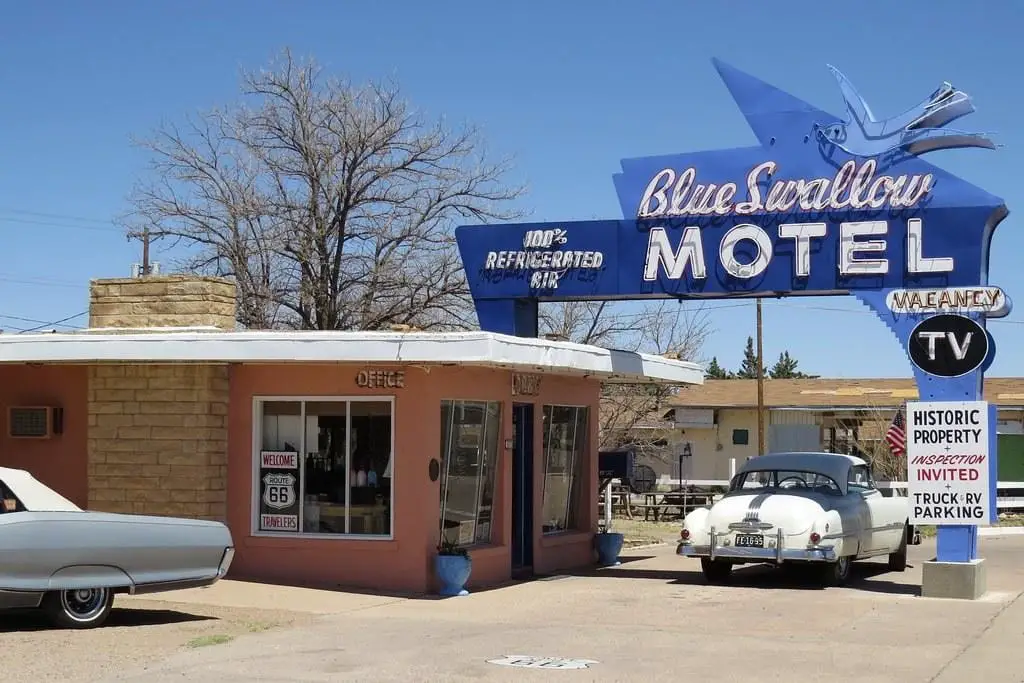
(32, 320)
(867, 311)
(46, 282)
(54, 323)
(59, 216)
(52, 224)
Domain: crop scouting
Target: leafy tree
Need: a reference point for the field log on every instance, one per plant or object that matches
(716, 371)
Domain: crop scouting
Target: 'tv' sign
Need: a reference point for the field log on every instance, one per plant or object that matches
(948, 345)
(959, 350)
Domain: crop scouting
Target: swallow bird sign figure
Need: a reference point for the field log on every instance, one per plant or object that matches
(823, 205)
(918, 130)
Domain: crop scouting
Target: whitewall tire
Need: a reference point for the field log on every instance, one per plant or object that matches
(80, 608)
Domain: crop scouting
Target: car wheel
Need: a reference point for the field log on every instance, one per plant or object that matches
(79, 608)
(898, 559)
(715, 571)
(838, 572)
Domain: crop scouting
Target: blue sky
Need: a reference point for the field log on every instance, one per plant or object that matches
(568, 88)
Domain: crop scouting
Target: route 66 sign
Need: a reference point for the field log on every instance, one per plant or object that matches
(278, 490)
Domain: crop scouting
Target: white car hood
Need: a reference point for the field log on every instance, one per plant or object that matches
(793, 512)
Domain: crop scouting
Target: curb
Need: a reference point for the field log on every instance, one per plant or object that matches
(1001, 531)
(661, 543)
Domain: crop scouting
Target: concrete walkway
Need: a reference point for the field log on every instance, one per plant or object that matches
(652, 619)
(244, 594)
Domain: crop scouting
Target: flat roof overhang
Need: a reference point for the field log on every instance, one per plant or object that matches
(481, 349)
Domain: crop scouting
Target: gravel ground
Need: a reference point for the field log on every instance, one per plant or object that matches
(137, 634)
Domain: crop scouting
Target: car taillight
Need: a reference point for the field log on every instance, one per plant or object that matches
(684, 534)
(815, 538)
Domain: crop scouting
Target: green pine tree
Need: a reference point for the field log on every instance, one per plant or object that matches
(716, 371)
(785, 368)
(748, 368)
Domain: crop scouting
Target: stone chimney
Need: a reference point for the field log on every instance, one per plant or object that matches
(162, 301)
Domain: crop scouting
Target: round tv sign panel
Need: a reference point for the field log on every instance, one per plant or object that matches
(948, 345)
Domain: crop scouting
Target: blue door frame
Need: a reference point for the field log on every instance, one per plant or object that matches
(522, 489)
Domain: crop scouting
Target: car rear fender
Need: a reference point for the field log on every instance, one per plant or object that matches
(830, 527)
(90, 576)
(696, 522)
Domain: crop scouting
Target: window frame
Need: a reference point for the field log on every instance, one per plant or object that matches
(6, 493)
(573, 484)
(852, 486)
(734, 483)
(258, 400)
(443, 478)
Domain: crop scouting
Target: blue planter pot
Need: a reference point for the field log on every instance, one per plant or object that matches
(608, 546)
(453, 572)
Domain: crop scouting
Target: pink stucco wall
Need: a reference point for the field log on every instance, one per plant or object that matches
(404, 563)
(60, 461)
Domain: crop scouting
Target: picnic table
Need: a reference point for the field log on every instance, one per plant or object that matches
(684, 500)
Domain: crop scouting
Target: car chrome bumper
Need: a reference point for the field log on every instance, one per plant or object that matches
(779, 553)
(225, 562)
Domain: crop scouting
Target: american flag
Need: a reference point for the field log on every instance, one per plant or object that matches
(896, 435)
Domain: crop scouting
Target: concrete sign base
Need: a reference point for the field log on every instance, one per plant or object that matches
(959, 580)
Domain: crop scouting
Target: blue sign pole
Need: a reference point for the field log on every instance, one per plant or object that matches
(954, 543)
(823, 205)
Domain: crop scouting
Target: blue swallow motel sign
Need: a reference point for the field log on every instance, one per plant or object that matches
(824, 205)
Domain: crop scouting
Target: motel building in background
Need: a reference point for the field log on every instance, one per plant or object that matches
(716, 422)
(336, 458)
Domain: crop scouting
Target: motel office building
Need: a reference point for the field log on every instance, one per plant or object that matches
(336, 458)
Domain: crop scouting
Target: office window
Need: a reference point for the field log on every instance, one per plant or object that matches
(470, 433)
(324, 467)
(740, 437)
(565, 438)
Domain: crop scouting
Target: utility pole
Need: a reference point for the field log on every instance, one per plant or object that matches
(144, 236)
(760, 382)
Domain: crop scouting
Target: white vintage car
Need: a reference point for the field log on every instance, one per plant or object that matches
(790, 508)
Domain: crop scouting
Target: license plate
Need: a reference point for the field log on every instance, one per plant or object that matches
(749, 541)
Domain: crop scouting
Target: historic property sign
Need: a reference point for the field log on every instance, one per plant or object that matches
(822, 205)
(949, 466)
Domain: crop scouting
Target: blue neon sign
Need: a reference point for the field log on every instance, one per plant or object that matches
(798, 214)
(823, 205)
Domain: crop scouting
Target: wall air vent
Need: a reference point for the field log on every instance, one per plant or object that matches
(34, 422)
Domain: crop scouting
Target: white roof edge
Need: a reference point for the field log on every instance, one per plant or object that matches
(268, 346)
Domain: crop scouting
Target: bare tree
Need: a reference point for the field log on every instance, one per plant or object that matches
(863, 434)
(331, 205)
(631, 414)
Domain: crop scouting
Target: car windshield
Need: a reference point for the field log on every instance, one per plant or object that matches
(8, 501)
(784, 479)
(21, 491)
